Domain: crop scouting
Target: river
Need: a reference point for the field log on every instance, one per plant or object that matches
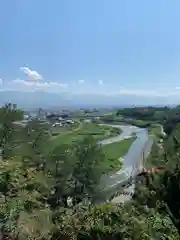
(133, 159)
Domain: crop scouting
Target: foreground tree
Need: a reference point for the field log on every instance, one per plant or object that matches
(9, 132)
(35, 137)
(23, 212)
(77, 171)
(88, 169)
(107, 221)
(60, 163)
(162, 190)
(35, 186)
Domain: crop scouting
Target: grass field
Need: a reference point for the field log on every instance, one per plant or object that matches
(154, 130)
(56, 131)
(84, 129)
(116, 150)
(112, 151)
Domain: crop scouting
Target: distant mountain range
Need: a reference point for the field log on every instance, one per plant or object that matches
(44, 99)
(32, 99)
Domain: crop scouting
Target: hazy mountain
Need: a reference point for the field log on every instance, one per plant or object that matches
(44, 99)
(33, 99)
(118, 100)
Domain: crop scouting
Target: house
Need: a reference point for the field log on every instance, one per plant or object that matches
(97, 118)
(26, 116)
(70, 121)
(57, 124)
(60, 119)
(87, 120)
(56, 117)
(53, 118)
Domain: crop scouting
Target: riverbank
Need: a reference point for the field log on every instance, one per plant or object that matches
(114, 153)
(154, 129)
(132, 164)
(98, 132)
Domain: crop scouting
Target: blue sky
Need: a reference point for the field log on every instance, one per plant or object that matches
(91, 46)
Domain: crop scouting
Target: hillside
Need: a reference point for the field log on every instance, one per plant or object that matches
(51, 195)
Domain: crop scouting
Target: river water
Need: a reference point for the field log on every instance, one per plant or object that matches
(132, 162)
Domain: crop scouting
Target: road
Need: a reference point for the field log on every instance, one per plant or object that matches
(139, 150)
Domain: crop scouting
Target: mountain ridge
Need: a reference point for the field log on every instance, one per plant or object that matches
(45, 99)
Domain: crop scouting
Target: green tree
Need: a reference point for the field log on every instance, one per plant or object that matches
(60, 164)
(35, 186)
(9, 132)
(88, 169)
(107, 221)
(77, 171)
(35, 137)
(23, 210)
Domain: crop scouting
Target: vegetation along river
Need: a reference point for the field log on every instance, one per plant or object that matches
(132, 162)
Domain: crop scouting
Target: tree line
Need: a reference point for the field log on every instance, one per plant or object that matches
(169, 117)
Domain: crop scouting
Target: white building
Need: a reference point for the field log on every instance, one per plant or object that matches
(87, 120)
(70, 121)
(57, 124)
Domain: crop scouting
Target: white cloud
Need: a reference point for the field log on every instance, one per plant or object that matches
(138, 92)
(81, 81)
(154, 92)
(63, 85)
(71, 89)
(23, 82)
(31, 74)
(34, 81)
(23, 85)
(30, 84)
